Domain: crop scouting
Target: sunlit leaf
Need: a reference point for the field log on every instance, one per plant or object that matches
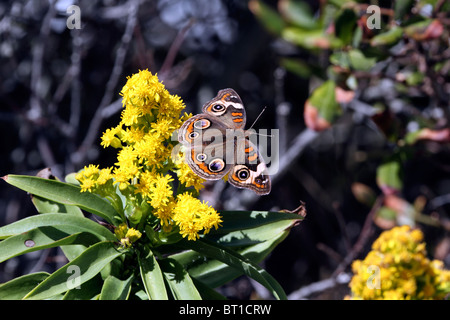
(83, 268)
(66, 194)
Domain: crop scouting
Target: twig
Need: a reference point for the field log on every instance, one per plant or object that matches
(319, 286)
(283, 109)
(173, 50)
(363, 238)
(37, 62)
(96, 122)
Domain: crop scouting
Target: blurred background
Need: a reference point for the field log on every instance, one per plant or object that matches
(362, 112)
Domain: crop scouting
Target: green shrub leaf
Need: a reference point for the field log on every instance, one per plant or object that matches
(41, 238)
(116, 289)
(68, 223)
(237, 261)
(17, 288)
(152, 277)
(179, 281)
(66, 194)
(77, 272)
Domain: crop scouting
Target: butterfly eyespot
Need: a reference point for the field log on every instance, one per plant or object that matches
(243, 174)
(202, 124)
(216, 165)
(218, 108)
(201, 157)
(193, 135)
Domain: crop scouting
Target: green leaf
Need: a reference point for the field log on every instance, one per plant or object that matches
(345, 24)
(215, 273)
(402, 8)
(179, 281)
(17, 288)
(389, 174)
(253, 227)
(77, 272)
(340, 58)
(70, 178)
(47, 206)
(268, 17)
(206, 292)
(41, 238)
(87, 291)
(235, 260)
(359, 61)
(68, 223)
(323, 98)
(239, 220)
(298, 13)
(66, 194)
(116, 289)
(388, 38)
(152, 277)
(311, 39)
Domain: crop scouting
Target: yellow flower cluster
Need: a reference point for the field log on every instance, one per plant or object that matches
(126, 235)
(145, 170)
(397, 269)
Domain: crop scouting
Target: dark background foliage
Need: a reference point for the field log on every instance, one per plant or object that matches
(59, 90)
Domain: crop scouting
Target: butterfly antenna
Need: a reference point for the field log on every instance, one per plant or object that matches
(260, 114)
(254, 122)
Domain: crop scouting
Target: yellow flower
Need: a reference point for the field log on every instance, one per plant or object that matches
(160, 191)
(133, 235)
(165, 214)
(109, 138)
(188, 177)
(126, 235)
(192, 216)
(404, 271)
(87, 178)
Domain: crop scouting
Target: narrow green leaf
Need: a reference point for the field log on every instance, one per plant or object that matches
(238, 220)
(360, 62)
(152, 277)
(68, 223)
(47, 206)
(179, 281)
(268, 17)
(43, 205)
(236, 260)
(260, 233)
(298, 13)
(116, 289)
(215, 273)
(402, 8)
(17, 288)
(206, 292)
(77, 272)
(311, 39)
(87, 291)
(387, 38)
(65, 193)
(41, 238)
(345, 24)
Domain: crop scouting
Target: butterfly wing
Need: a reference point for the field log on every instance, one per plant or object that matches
(250, 170)
(227, 106)
(204, 139)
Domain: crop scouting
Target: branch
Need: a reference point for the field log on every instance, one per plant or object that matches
(96, 122)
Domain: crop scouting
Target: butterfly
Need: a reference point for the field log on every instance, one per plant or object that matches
(216, 144)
